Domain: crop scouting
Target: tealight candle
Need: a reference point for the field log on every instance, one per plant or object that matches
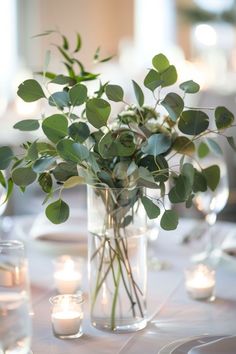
(67, 315)
(68, 274)
(200, 282)
(6, 277)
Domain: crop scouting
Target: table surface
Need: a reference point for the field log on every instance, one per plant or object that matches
(172, 314)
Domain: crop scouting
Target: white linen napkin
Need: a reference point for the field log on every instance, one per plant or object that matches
(225, 345)
(73, 230)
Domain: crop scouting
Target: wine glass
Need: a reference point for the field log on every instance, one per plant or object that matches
(211, 203)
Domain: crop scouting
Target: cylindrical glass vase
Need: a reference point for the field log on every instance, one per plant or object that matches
(117, 259)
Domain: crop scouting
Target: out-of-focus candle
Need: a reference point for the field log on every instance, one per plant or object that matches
(68, 274)
(200, 282)
(6, 277)
(67, 315)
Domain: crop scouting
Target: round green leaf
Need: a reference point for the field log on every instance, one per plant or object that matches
(174, 105)
(188, 171)
(78, 94)
(152, 210)
(45, 181)
(106, 146)
(146, 179)
(114, 93)
(189, 86)
(32, 152)
(27, 125)
(212, 175)
(169, 220)
(169, 76)
(120, 170)
(223, 118)
(23, 176)
(203, 150)
(160, 62)
(98, 111)
(158, 165)
(58, 212)
(65, 170)
(152, 80)
(183, 145)
(73, 182)
(157, 144)
(193, 122)
(138, 93)
(59, 99)
(124, 144)
(199, 182)
(43, 164)
(79, 131)
(55, 127)
(6, 156)
(46, 148)
(180, 192)
(30, 91)
(71, 151)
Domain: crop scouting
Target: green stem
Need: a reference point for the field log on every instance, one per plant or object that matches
(129, 292)
(129, 271)
(114, 302)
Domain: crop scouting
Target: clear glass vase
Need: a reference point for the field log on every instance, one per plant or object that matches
(117, 259)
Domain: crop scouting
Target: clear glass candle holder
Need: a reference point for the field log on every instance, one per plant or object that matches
(68, 274)
(200, 282)
(67, 315)
(15, 304)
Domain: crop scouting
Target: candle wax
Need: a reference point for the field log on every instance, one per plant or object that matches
(6, 277)
(200, 287)
(66, 323)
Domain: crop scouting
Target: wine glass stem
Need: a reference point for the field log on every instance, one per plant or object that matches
(210, 220)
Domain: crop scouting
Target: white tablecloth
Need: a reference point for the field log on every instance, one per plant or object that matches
(173, 315)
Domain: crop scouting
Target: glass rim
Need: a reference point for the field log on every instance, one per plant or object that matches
(11, 244)
(142, 234)
(106, 187)
(66, 257)
(61, 259)
(194, 267)
(78, 298)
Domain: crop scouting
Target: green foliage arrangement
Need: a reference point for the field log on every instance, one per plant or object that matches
(84, 143)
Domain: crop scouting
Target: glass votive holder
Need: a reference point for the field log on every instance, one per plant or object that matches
(200, 282)
(67, 315)
(68, 274)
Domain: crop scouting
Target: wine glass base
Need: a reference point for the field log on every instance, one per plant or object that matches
(200, 257)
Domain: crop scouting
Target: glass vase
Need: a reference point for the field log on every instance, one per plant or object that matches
(117, 259)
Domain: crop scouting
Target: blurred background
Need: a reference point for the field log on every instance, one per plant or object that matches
(198, 36)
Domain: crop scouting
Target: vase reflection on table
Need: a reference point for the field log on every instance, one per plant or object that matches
(211, 203)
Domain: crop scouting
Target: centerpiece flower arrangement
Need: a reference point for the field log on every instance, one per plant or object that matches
(120, 158)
